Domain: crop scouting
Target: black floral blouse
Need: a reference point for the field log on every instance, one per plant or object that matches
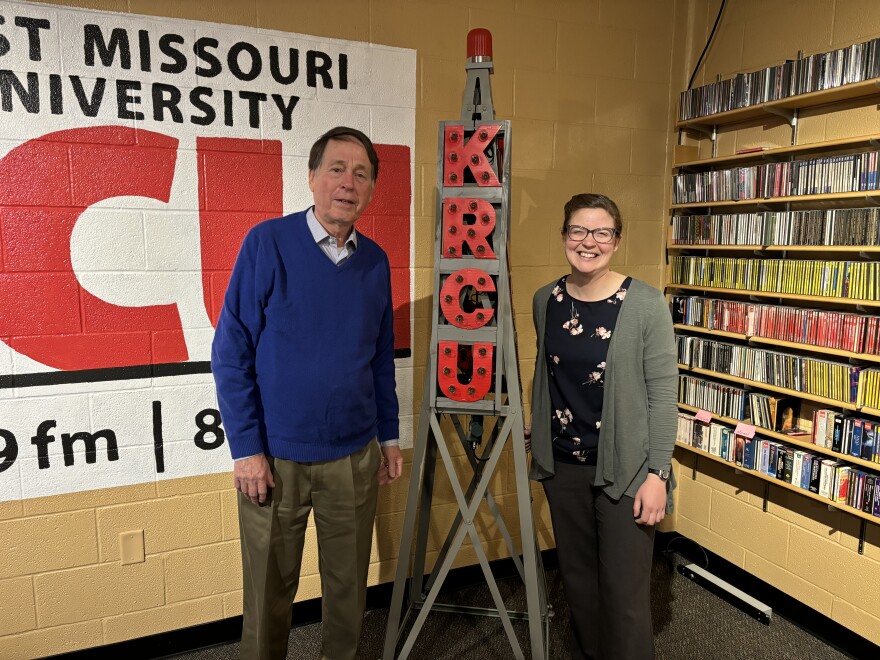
(576, 342)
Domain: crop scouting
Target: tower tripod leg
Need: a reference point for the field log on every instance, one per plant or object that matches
(469, 510)
(536, 589)
(417, 478)
(477, 466)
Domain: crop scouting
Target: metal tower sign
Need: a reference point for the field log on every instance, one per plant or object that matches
(473, 373)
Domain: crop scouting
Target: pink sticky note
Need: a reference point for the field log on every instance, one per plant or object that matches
(745, 430)
(704, 416)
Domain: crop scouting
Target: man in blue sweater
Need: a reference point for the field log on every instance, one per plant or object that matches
(303, 359)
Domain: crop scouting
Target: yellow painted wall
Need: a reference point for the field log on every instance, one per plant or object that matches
(591, 88)
(798, 545)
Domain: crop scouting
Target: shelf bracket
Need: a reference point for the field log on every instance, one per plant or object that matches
(862, 530)
(873, 199)
(789, 115)
(694, 472)
(766, 496)
(710, 133)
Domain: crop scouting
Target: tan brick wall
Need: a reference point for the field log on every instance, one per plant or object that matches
(591, 89)
(798, 545)
(589, 86)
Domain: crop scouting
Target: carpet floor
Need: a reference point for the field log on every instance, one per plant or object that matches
(689, 623)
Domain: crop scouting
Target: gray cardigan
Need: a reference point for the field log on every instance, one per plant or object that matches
(639, 408)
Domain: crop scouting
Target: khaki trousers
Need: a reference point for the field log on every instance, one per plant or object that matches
(342, 494)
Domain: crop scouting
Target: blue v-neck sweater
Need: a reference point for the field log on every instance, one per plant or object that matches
(303, 353)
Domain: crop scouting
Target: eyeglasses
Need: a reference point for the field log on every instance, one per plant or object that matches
(600, 235)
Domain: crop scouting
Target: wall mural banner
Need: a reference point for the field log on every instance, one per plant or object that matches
(135, 154)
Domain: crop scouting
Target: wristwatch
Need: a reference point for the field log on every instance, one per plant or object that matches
(663, 474)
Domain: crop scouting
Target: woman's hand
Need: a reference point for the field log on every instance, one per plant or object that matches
(527, 434)
(649, 507)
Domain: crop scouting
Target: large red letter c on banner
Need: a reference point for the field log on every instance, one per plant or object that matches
(45, 185)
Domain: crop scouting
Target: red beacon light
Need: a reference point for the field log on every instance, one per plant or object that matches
(477, 104)
(479, 45)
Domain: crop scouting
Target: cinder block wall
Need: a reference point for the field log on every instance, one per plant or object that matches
(589, 87)
(798, 545)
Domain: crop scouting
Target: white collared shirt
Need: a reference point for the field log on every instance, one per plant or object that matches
(328, 243)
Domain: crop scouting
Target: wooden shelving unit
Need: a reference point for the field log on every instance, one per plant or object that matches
(782, 110)
(784, 153)
(854, 302)
(772, 388)
(788, 439)
(866, 197)
(757, 339)
(843, 249)
(783, 484)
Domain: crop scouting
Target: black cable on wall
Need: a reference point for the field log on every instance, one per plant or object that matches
(708, 43)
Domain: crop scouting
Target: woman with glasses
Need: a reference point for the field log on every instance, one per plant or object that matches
(603, 429)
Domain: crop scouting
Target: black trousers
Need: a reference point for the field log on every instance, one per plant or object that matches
(605, 562)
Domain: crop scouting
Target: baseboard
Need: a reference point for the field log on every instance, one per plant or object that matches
(801, 615)
(225, 631)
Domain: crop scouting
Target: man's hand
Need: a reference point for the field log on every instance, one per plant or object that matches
(253, 477)
(391, 465)
(649, 507)
(527, 436)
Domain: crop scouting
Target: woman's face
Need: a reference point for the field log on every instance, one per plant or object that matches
(587, 256)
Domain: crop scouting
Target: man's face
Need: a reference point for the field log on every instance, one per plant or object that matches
(343, 185)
